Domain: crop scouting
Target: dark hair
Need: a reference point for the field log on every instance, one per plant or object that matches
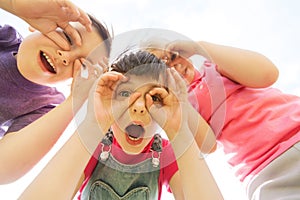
(103, 32)
(140, 63)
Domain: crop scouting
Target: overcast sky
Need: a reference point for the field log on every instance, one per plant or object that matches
(271, 27)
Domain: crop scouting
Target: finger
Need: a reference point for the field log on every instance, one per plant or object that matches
(110, 79)
(85, 20)
(70, 10)
(180, 82)
(162, 92)
(171, 81)
(103, 63)
(90, 70)
(71, 31)
(73, 13)
(76, 68)
(157, 112)
(31, 29)
(59, 40)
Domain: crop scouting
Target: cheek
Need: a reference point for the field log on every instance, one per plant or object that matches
(67, 74)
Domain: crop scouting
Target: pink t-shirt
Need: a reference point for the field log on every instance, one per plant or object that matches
(168, 162)
(253, 126)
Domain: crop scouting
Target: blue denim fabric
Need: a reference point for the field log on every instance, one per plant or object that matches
(112, 180)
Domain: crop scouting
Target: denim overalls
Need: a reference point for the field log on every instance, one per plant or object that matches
(112, 180)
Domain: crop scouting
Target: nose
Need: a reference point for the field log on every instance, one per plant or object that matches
(64, 57)
(139, 106)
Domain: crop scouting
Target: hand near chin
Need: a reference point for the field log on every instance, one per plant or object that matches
(84, 76)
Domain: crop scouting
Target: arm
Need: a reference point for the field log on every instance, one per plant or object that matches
(72, 158)
(196, 181)
(22, 149)
(60, 178)
(246, 67)
(203, 134)
(46, 16)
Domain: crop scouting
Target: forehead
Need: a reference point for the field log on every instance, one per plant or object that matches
(141, 82)
(91, 43)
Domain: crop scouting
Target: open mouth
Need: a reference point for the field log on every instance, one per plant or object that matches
(134, 133)
(47, 63)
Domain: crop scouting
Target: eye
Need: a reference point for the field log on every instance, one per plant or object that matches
(124, 93)
(68, 38)
(156, 98)
(174, 56)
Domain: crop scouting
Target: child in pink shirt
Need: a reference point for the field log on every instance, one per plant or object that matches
(258, 127)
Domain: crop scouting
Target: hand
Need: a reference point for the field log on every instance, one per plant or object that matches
(170, 114)
(84, 76)
(183, 49)
(103, 108)
(48, 15)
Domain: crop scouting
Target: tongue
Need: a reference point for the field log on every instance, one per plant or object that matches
(134, 131)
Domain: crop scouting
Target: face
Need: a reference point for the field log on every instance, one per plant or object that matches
(41, 61)
(135, 128)
(183, 66)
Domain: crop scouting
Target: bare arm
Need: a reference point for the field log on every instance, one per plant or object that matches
(202, 132)
(24, 148)
(62, 175)
(195, 177)
(246, 67)
(64, 171)
(195, 180)
(21, 150)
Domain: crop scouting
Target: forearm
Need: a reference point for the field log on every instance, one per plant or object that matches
(59, 179)
(9, 6)
(203, 134)
(197, 180)
(23, 149)
(246, 67)
(6, 5)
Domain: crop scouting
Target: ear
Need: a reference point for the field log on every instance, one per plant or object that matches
(31, 29)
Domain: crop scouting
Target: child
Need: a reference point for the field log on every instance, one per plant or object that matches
(131, 162)
(257, 126)
(30, 67)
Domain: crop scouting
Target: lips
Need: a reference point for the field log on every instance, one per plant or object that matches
(47, 64)
(134, 134)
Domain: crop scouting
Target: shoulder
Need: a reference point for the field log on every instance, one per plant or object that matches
(9, 36)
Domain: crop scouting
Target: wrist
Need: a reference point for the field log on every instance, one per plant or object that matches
(90, 135)
(182, 141)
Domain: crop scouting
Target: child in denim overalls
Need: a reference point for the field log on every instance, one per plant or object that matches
(131, 160)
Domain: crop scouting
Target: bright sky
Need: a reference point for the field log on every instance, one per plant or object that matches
(271, 27)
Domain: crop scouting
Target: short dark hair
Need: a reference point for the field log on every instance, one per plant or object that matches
(103, 32)
(140, 63)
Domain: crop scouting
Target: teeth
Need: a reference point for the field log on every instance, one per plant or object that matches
(135, 139)
(49, 61)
